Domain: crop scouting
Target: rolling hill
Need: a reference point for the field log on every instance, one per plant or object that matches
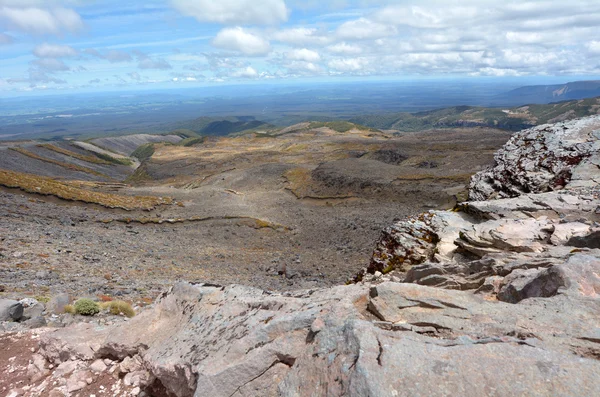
(512, 119)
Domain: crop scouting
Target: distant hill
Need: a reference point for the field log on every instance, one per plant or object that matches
(221, 126)
(512, 119)
(551, 93)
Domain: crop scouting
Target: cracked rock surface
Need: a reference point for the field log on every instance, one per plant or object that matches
(390, 339)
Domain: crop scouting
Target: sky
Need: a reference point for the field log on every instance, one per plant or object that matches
(87, 45)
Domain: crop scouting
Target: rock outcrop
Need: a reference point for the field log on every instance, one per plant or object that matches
(542, 159)
(500, 297)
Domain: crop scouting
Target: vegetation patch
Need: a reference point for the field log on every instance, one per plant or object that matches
(139, 176)
(118, 307)
(66, 152)
(340, 126)
(192, 141)
(86, 307)
(72, 167)
(299, 180)
(114, 160)
(69, 191)
(144, 152)
(70, 309)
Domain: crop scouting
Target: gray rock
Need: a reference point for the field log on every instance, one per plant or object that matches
(530, 283)
(351, 340)
(35, 310)
(541, 159)
(10, 310)
(98, 366)
(35, 322)
(57, 303)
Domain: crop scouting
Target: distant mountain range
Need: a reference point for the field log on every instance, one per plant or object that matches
(542, 94)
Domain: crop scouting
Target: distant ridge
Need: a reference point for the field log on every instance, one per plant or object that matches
(543, 94)
(506, 118)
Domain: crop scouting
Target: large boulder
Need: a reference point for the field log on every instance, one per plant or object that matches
(541, 159)
(10, 310)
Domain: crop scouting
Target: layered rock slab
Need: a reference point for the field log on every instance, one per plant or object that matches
(390, 339)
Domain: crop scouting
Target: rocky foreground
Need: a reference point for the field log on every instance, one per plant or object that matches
(499, 297)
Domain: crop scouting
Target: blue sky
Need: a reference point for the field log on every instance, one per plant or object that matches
(85, 45)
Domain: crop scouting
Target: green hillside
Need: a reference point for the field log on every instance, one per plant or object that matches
(512, 119)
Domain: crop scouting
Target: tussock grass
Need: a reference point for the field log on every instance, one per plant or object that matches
(118, 307)
(69, 191)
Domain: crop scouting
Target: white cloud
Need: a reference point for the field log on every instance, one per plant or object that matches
(593, 47)
(363, 28)
(345, 49)
(524, 37)
(239, 40)
(303, 68)
(114, 56)
(301, 36)
(248, 73)
(496, 72)
(234, 12)
(157, 63)
(51, 64)
(304, 55)
(349, 64)
(147, 62)
(429, 15)
(41, 21)
(54, 51)
(6, 39)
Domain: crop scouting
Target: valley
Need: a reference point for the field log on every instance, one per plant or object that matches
(297, 208)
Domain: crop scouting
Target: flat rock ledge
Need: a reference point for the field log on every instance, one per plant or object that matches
(389, 339)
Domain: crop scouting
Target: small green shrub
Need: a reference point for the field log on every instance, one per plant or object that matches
(118, 307)
(86, 307)
(70, 309)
